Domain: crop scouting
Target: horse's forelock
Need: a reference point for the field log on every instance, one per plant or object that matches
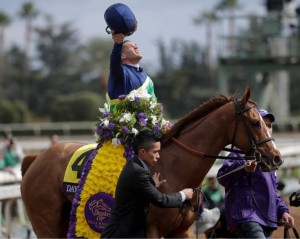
(198, 113)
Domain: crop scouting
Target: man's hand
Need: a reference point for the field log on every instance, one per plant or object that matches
(251, 166)
(286, 217)
(155, 178)
(188, 193)
(118, 38)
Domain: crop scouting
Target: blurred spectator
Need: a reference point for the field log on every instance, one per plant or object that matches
(11, 154)
(213, 198)
(213, 195)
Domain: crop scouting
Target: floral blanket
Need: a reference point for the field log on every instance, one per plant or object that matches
(93, 200)
(115, 130)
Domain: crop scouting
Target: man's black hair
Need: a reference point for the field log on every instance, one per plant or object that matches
(144, 140)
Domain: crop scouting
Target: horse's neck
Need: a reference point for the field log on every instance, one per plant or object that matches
(183, 169)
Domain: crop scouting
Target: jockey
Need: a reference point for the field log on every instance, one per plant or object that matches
(125, 73)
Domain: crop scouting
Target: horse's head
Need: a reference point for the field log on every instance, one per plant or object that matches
(251, 135)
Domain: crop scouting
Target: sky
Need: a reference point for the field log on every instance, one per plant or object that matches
(157, 19)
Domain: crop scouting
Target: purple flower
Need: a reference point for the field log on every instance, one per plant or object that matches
(142, 115)
(137, 100)
(107, 135)
(156, 128)
(143, 122)
(99, 130)
(121, 97)
(105, 114)
(111, 126)
(129, 153)
(125, 130)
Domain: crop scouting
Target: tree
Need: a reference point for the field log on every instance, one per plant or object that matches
(13, 82)
(183, 79)
(59, 68)
(79, 106)
(207, 18)
(13, 111)
(28, 13)
(56, 46)
(68, 66)
(4, 21)
(93, 60)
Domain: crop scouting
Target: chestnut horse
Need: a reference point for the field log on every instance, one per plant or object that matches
(188, 151)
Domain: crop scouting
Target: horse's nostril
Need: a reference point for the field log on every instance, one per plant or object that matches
(277, 161)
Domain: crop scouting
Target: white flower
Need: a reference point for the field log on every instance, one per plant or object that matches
(126, 117)
(163, 122)
(152, 105)
(134, 131)
(131, 96)
(138, 94)
(105, 109)
(115, 142)
(144, 94)
(153, 119)
(105, 123)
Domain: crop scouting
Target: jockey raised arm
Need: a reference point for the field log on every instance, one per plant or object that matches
(125, 72)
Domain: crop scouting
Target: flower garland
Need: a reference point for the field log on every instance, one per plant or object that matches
(115, 131)
(100, 174)
(136, 111)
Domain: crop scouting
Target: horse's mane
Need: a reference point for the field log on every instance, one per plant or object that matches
(199, 112)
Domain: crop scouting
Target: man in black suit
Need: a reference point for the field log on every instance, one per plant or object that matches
(136, 189)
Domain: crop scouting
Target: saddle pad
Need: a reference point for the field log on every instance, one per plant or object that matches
(75, 167)
(94, 198)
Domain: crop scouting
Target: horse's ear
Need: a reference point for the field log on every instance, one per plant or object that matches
(246, 95)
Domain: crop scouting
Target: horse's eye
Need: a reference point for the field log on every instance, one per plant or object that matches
(256, 124)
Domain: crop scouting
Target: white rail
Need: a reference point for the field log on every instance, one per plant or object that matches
(11, 191)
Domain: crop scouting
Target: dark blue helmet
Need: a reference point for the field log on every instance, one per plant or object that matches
(120, 19)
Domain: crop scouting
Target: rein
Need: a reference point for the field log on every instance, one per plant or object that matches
(205, 155)
(286, 225)
(255, 155)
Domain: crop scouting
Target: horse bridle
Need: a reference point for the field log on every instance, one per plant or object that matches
(252, 155)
